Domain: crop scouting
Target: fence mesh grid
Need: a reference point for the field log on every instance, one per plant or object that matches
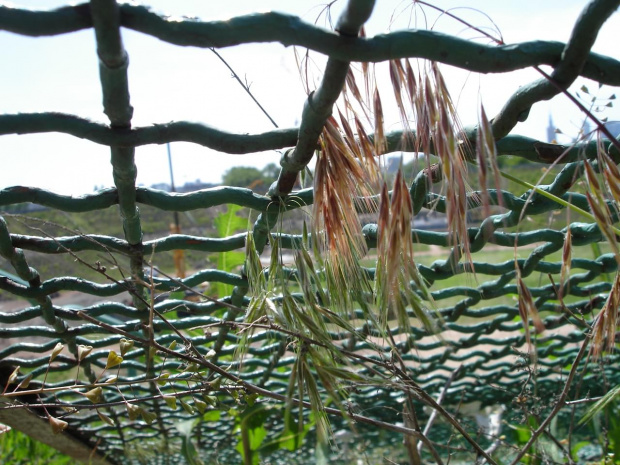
(483, 333)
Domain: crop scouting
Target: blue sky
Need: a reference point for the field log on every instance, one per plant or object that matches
(175, 83)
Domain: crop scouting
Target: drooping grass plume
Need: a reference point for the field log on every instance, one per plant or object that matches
(611, 175)
(598, 205)
(404, 86)
(443, 124)
(380, 142)
(567, 255)
(527, 310)
(341, 176)
(604, 328)
(396, 268)
(351, 88)
(486, 152)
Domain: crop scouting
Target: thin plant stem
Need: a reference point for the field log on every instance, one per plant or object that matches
(555, 198)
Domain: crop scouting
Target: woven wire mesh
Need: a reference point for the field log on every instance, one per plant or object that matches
(482, 332)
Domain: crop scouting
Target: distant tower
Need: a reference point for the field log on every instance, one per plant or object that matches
(550, 130)
(587, 127)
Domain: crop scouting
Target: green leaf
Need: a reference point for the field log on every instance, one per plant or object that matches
(188, 450)
(211, 400)
(188, 408)
(228, 223)
(148, 417)
(577, 447)
(523, 434)
(291, 438)
(600, 405)
(177, 295)
(212, 415)
(256, 437)
(251, 398)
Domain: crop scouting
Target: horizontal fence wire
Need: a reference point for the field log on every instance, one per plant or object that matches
(482, 333)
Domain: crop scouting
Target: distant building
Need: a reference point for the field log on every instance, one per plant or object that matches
(195, 186)
(588, 127)
(550, 130)
(187, 187)
(614, 128)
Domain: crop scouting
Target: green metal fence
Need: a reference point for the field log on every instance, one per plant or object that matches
(480, 359)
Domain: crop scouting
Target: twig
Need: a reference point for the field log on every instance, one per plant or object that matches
(440, 398)
(264, 392)
(414, 388)
(583, 401)
(245, 86)
(413, 449)
(558, 406)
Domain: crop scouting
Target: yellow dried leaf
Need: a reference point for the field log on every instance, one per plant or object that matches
(13, 376)
(133, 411)
(148, 417)
(125, 346)
(58, 425)
(95, 395)
(113, 360)
(163, 379)
(188, 408)
(192, 368)
(211, 400)
(104, 418)
(56, 351)
(84, 351)
(25, 382)
(216, 383)
(171, 401)
(200, 405)
(111, 380)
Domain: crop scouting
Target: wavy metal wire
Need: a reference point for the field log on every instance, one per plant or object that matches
(482, 334)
